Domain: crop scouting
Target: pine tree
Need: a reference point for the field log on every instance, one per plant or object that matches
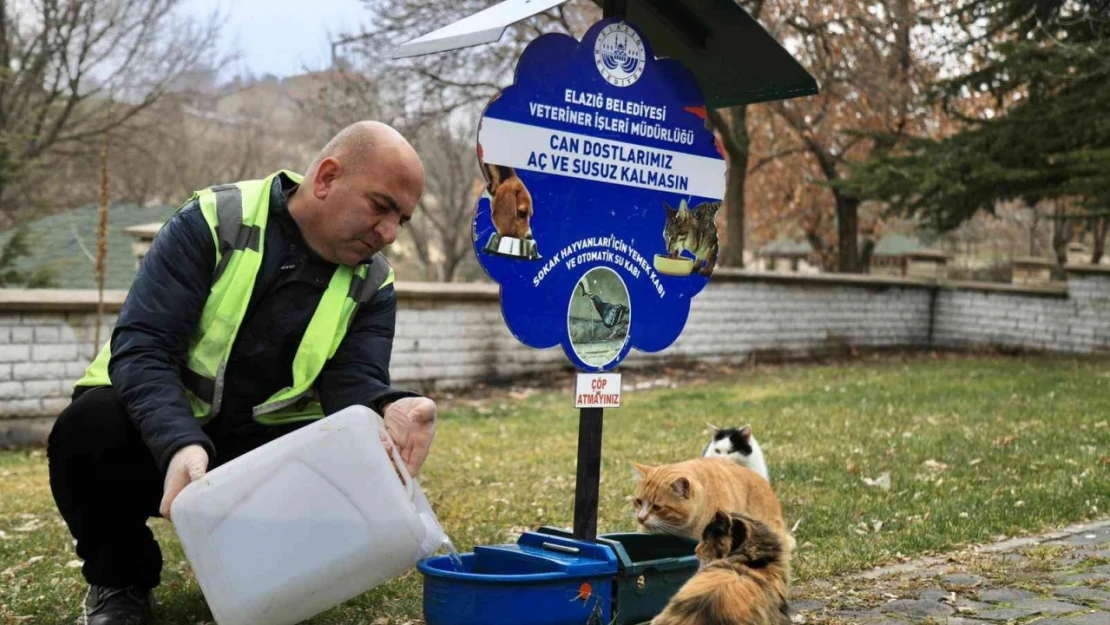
(1033, 119)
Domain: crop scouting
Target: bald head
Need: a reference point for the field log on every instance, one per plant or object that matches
(358, 144)
(361, 188)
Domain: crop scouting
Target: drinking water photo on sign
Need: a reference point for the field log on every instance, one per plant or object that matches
(599, 316)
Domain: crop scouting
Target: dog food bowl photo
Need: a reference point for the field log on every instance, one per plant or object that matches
(673, 266)
(512, 247)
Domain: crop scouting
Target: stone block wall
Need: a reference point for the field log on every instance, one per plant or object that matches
(1072, 319)
(453, 334)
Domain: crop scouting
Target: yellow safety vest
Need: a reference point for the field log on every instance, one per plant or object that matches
(236, 216)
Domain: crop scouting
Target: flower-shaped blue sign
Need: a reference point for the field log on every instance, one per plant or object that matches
(603, 185)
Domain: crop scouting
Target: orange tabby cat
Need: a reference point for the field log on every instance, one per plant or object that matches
(682, 498)
(743, 582)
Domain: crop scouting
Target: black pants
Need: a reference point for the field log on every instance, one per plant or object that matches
(106, 485)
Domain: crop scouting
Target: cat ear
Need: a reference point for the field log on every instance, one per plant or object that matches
(670, 211)
(681, 487)
(746, 432)
(739, 532)
(641, 470)
(718, 527)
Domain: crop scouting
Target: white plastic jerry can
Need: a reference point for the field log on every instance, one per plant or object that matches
(304, 523)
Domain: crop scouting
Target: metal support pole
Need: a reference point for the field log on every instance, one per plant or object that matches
(587, 481)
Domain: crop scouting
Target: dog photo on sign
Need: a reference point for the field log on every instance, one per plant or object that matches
(511, 212)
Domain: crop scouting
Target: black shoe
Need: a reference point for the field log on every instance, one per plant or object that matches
(118, 606)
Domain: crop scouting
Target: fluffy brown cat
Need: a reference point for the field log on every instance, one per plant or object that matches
(682, 498)
(744, 579)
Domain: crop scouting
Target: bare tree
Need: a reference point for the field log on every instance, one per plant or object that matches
(441, 236)
(871, 69)
(1029, 218)
(437, 85)
(75, 70)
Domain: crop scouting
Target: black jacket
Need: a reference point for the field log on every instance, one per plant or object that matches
(151, 337)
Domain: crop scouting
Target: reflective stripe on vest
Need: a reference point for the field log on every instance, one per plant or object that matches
(237, 216)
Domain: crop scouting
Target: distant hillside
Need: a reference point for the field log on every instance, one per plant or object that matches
(54, 243)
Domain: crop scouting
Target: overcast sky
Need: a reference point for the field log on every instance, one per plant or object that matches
(282, 37)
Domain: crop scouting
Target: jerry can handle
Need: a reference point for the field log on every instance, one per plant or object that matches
(406, 479)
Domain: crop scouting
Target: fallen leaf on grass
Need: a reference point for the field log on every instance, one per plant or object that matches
(1002, 441)
(934, 466)
(974, 462)
(29, 526)
(74, 564)
(22, 565)
(883, 481)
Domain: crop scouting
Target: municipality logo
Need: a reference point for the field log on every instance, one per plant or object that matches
(619, 54)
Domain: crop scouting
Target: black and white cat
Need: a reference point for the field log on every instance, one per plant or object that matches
(739, 446)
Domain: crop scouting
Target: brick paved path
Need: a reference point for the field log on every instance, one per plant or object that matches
(1061, 578)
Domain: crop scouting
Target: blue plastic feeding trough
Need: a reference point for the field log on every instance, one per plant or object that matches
(541, 580)
(550, 578)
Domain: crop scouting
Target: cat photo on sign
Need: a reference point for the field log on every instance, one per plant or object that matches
(692, 230)
(598, 316)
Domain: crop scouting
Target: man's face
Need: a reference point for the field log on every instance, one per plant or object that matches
(364, 208)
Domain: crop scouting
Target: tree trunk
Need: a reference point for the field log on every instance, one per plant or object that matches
(453, 258)
(101, 241)
(847, 229)
(867, 250)
(1034, 224)
(1061, 236)
(1102, 225)
(734, 140)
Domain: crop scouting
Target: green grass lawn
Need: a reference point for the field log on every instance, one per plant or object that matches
(976, 448)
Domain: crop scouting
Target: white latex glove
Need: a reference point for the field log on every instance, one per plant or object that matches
(189, 464)
(411, 422)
